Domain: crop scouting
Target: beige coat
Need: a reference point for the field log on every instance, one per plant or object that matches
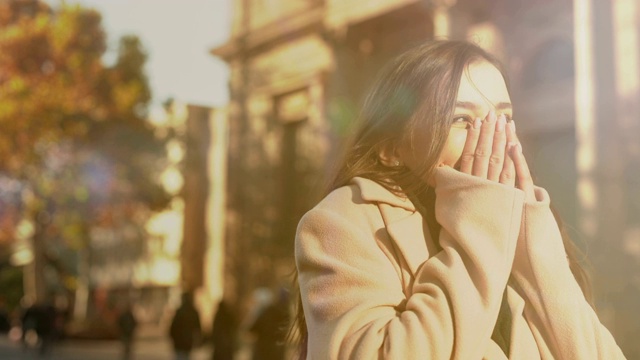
(374, 286)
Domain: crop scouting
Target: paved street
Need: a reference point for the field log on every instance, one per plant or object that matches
(145, 349)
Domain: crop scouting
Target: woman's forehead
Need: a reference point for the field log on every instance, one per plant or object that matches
(482, 84)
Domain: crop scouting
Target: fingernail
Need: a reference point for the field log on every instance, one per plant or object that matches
(477, 123)
(513, 125)
(492, 115)
(501, 122)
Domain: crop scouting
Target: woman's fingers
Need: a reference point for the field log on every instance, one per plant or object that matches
(522, 172)
(484, 148)
(512, 138)
(508, 174)
(523, 175)
(468, 152)
(497, 158)
(492, 151)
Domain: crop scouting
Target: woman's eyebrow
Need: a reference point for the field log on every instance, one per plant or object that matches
(503, 106)
(472, 106)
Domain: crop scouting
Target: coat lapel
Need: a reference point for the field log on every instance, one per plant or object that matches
(408, 232)
(402, 221)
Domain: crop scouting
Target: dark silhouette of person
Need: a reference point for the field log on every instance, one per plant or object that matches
(46, 327)
(127, 324)
(224, 332)
(39, 318)
(5, 319)
(270, 329)
(28, 322)
(185, 328)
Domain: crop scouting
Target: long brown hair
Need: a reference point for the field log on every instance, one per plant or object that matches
(417, 88)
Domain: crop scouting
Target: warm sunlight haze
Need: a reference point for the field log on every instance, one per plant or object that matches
(177, 36)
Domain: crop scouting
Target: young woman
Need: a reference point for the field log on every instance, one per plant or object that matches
(434, 243)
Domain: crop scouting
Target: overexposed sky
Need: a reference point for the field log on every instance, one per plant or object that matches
(177, 35)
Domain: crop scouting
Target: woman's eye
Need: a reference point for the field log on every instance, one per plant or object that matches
(461, 121)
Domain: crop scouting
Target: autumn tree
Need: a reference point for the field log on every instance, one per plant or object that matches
(74, 131)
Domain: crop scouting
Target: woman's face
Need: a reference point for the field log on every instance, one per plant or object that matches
(482, 88)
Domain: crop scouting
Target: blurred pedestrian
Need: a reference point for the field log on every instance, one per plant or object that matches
(5, 320)
(28, 322)
(270, 329)
(46, 327)
(40, 321)
(225, 327)
(127, 324)
(38, 326)
(185, 328)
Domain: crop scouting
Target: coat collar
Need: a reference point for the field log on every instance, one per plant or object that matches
(410, 234)
(371, 191)
(402, 221)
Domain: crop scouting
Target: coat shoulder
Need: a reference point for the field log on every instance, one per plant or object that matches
(348, 203)
(343, 209)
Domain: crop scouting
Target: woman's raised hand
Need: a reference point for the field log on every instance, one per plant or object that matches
(484, 151)
(492, 151)
(523, 175)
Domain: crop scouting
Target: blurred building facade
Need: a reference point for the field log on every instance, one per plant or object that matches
(299, 69)
(179, 248)
(203, 171)
(192, 227)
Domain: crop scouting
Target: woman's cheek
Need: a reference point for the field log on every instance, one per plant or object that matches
(453, 148)
(459, 146)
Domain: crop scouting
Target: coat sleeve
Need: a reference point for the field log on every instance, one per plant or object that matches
(562, 321)
(353, 299)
